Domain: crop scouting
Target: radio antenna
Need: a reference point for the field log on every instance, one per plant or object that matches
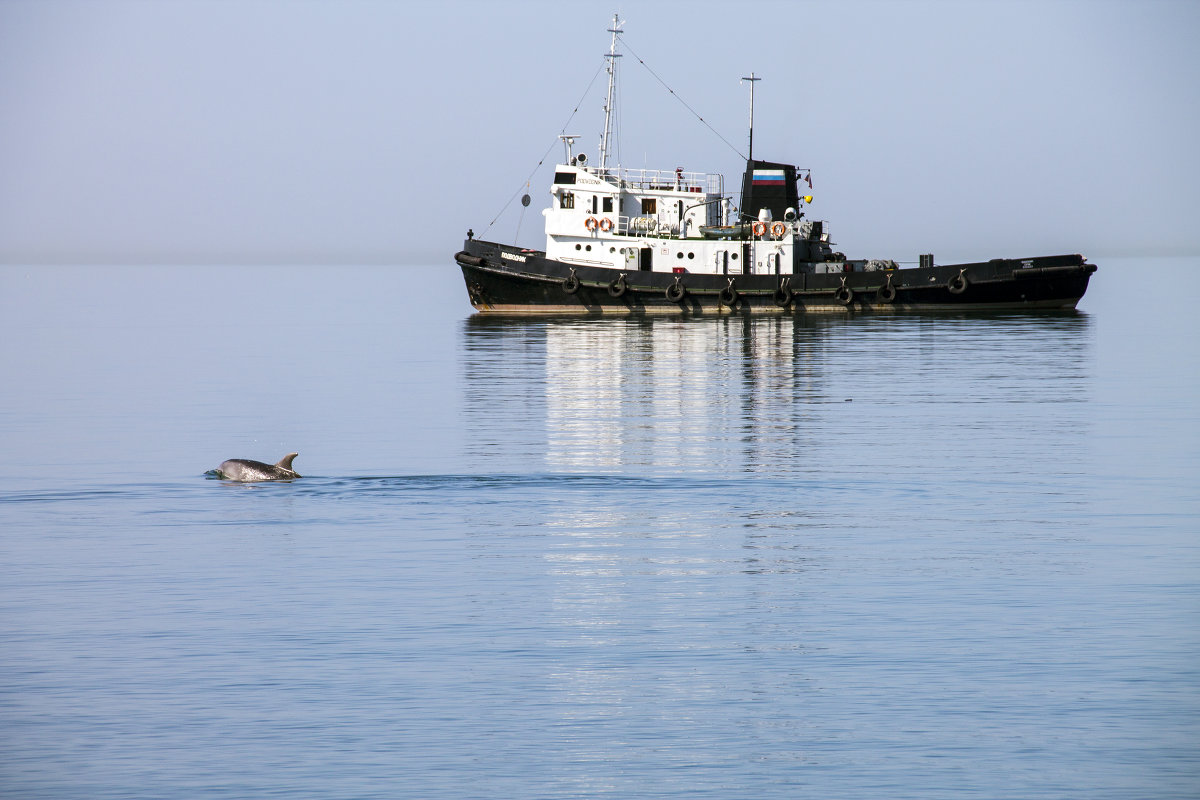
(612, 55)
(752, 80)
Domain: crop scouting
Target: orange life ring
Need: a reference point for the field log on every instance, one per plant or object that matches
(606, 224)
(591, 223)
(778, 229)
(759, 228)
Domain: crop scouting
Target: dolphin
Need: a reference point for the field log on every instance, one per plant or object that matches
(245, 470)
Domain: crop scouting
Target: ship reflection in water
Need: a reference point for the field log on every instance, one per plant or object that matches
(724, 529)
(660, 396)
(721, 397)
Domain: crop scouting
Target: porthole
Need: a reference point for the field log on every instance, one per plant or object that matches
(578, 247)
(612, 249)
(691, 255)
(733, 256)
(679, 255)
(588, 248)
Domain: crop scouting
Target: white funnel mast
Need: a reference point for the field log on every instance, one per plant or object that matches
(612, 55)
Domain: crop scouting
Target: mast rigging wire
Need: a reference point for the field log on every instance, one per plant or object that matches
(677, 97)
(574, 111)
(548, 149)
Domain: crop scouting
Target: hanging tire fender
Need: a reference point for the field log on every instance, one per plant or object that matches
(783, 295)
(959, 283)
(729, 295)
(844, 294)
(570, 284)
(887, 292)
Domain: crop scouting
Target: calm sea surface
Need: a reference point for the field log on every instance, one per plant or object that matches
(857, 557)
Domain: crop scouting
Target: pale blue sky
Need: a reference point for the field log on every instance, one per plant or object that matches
(369, 131)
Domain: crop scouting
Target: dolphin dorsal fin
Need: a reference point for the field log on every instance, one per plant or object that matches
(286, 461)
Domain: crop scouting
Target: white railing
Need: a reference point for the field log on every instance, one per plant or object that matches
(665, 180)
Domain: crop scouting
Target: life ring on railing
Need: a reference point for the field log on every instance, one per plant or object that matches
(606, 224)
(591, 223)
(758, 228)
(778, 230)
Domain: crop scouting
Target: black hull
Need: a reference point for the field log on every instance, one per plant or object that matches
(509, 280)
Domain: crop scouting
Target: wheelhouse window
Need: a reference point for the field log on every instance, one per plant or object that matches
(607, 205)
(649, 205)
(567, 200)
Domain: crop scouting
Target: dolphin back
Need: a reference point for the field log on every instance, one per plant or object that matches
(246, 470)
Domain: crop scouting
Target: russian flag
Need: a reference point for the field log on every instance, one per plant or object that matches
(767, 177)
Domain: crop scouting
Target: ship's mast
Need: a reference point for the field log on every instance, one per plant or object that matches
(612, 55)
(752, 80)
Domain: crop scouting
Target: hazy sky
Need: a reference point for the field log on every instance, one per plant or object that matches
(358, 131)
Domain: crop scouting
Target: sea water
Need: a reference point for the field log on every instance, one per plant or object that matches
(851, 556)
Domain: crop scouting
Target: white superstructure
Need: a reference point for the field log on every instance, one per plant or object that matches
(652, 220)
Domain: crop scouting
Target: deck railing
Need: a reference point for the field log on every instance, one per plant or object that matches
(665, 180)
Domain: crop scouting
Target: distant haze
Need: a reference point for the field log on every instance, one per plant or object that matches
(264, 131)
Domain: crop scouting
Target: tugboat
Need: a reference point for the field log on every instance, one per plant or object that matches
(639, 241)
